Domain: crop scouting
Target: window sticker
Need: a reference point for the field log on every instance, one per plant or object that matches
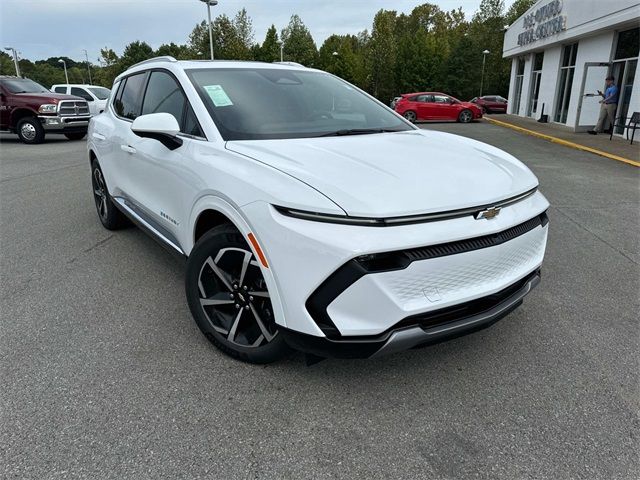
(218, 96)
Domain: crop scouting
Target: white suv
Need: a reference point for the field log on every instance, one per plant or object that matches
(311, 215)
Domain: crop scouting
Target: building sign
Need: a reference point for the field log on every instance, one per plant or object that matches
(544, 22)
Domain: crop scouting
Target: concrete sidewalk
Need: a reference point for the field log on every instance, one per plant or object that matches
(599, 144)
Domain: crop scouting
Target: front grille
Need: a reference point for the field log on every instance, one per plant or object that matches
(73, 108)
(401, 259)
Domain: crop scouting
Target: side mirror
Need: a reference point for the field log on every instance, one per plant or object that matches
(162, 127)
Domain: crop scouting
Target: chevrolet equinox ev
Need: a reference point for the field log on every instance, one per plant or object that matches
(311, 216)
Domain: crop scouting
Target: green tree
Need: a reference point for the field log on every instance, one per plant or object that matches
(269, 51)
(517, 9)
(298, 43)
(382, 55)
(179, 52)
(134, 53)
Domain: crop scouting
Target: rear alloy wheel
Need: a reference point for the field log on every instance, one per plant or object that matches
(30, 130)
(410, 115)
(465, 116)
(229, 299)
(110, 217)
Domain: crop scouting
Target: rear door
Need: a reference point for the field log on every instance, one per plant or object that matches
(424, 107)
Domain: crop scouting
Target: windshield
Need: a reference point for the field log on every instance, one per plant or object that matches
(23, 85)
(100, 92)
(248, 104)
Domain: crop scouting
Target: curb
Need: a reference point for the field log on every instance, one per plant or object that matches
(566, 143)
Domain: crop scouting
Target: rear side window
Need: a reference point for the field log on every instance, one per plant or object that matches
(81, 92)
(164, 95)
(129, 99)
(60, 89)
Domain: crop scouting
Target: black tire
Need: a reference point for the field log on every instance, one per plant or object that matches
(75, 136)
(465, 116)
(241, 321)
(411, 116)
(110, 217)
(30, 130)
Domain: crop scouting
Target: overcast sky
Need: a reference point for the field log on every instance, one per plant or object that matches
(48, 28)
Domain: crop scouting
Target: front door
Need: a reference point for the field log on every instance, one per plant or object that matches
(624, 72)
(593, 80)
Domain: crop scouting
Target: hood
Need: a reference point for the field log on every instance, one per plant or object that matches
(469, 104)
(396, 174)
(56, 97)
(48, 96)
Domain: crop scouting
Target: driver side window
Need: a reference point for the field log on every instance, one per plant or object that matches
(164, 95)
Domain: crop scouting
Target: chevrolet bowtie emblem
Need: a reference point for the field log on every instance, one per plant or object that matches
(488, 214)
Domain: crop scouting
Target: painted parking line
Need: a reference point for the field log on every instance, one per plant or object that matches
(566, 143)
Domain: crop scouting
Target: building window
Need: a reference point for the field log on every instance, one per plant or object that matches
(536, 76)
(628, 44)
(519, 80)
(565, 82)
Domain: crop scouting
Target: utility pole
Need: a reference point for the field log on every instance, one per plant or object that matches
(484, 59)
(86, 55)
(15, 59)
(210, 3)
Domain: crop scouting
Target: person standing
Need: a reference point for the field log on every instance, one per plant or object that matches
(609, 104)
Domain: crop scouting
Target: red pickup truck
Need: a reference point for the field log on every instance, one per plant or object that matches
(31, 111)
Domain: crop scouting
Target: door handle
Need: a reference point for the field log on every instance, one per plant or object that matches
(98, 136)
(128, 149)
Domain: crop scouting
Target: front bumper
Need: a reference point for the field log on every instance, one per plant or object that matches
(64, 124)
(421, 330)
(306, 256)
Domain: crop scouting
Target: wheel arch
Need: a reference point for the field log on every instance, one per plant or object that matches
(210, 211)
(20, 113)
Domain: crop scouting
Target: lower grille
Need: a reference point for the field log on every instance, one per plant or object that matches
(464, 310)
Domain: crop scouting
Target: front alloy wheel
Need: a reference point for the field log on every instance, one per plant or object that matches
(465, 116)
(229, 299)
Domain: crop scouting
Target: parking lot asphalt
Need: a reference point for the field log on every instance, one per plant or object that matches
(105, 375)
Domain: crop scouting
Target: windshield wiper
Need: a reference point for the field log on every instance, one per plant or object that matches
(358, 131)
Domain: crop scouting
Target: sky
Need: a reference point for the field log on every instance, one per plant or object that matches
(49, 28)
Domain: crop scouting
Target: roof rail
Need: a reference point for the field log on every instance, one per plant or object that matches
(291, 64)
(165, 58)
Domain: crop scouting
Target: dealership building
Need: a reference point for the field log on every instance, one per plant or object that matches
(562, 51)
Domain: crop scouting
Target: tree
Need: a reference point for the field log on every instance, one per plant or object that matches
(382, 55)
(517, 9)
(179, 52)
(270, 49)
(134, 53)
(298, 43)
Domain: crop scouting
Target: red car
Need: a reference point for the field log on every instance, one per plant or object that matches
(436, 106)
(491, 103)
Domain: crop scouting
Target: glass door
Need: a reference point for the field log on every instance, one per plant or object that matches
(625, 87)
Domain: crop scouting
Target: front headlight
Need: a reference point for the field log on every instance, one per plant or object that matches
(48, 108)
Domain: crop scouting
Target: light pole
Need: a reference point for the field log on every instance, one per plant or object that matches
(210, 3)
(484, 59)
(281, 50)
(15, 59)
(86, 55)
(66, 76)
